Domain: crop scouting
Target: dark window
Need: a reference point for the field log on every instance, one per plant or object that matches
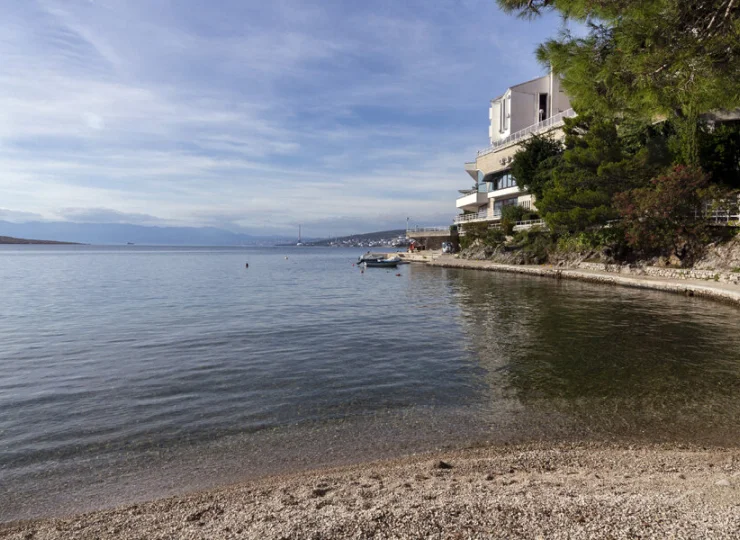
(504, 181)
(499, 205)
(543, 108)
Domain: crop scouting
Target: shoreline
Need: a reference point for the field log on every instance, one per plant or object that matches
(584, 489)
(721, 291)
(561, 490)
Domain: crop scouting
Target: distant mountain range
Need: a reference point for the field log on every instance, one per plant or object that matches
(121, 233)
(360, 239)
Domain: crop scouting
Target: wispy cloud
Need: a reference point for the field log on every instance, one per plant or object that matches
(251, 114)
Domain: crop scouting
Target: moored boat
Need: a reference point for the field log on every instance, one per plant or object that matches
(377, 260)
(381, 263)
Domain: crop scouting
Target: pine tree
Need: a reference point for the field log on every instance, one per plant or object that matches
(650, 59)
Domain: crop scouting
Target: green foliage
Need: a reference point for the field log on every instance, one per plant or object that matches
(483, 234)
(664, 217)
(510, 214)
(641, 80)
(646, 59)
(535, 244)
(478, 232)
(611, 239)
(494, 237)
(533, 163)
(575, 9)
(594, 166)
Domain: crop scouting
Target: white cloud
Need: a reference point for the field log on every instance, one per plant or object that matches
(255, 113)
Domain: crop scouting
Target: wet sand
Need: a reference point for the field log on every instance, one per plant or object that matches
(531, 491)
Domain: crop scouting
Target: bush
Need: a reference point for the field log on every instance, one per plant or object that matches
(495, 237)
(611, 237)
(483, 233)
(535, 243)
(665, 217)
(510, 215)
(473, 232)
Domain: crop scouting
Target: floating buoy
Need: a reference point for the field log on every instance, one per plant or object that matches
(286, 257)
(246, 265)
(398, 275)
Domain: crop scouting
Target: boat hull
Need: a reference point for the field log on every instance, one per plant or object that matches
(381, 264)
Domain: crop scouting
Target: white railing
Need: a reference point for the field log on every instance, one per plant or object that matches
(468, 218)
(547, 124)
(723, 218)
(526, 224)
(428, 229)
(721, 212)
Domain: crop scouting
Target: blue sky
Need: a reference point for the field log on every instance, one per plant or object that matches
(250, 115)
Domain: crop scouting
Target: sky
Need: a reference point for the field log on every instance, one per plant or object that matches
(251, 115)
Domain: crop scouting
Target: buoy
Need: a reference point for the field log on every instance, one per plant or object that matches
(398, 275)
(286, 257)
(247, 265)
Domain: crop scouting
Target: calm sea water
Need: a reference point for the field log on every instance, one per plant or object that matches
(129, 373)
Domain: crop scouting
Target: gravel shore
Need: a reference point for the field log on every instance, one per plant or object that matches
(532, 491)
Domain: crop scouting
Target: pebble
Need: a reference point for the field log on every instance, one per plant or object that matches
(724, 482)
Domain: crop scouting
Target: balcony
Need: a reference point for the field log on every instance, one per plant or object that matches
(540, 127)
(472, 169)
(471, 199)
(472, 218)
(504, 192)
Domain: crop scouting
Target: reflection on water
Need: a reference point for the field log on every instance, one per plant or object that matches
(131, 373)
(603, 360)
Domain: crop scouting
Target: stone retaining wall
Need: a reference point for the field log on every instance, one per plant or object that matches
(657, 271)
(682, 285)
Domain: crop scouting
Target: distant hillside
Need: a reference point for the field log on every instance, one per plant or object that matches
(122, 233)
(380, 237)
(12, 240)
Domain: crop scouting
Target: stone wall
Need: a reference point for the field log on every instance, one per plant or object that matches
(658, 271)
(598, 274)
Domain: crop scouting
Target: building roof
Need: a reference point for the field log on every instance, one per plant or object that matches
(520, 84)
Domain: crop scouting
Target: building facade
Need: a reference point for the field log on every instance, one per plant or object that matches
(534, 107)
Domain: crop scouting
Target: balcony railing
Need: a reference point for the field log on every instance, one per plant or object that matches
(428, 229)
(547, 124)
(469, 218)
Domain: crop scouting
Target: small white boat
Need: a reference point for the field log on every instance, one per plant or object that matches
(373, 260)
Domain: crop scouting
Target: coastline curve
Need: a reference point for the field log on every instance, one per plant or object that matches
(689, 287)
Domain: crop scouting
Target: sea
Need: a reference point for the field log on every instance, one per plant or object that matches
(130, 373)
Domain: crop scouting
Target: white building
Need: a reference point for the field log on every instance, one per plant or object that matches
(537, 106)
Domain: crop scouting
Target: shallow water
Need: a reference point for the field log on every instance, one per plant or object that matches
(129, 373)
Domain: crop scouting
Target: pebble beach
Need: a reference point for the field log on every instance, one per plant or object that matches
(532, 491)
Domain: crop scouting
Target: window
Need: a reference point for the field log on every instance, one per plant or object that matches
(506, 180)
(502, 115)
(505, 106)
(498, 206)
(543, 112)
(507, 112)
